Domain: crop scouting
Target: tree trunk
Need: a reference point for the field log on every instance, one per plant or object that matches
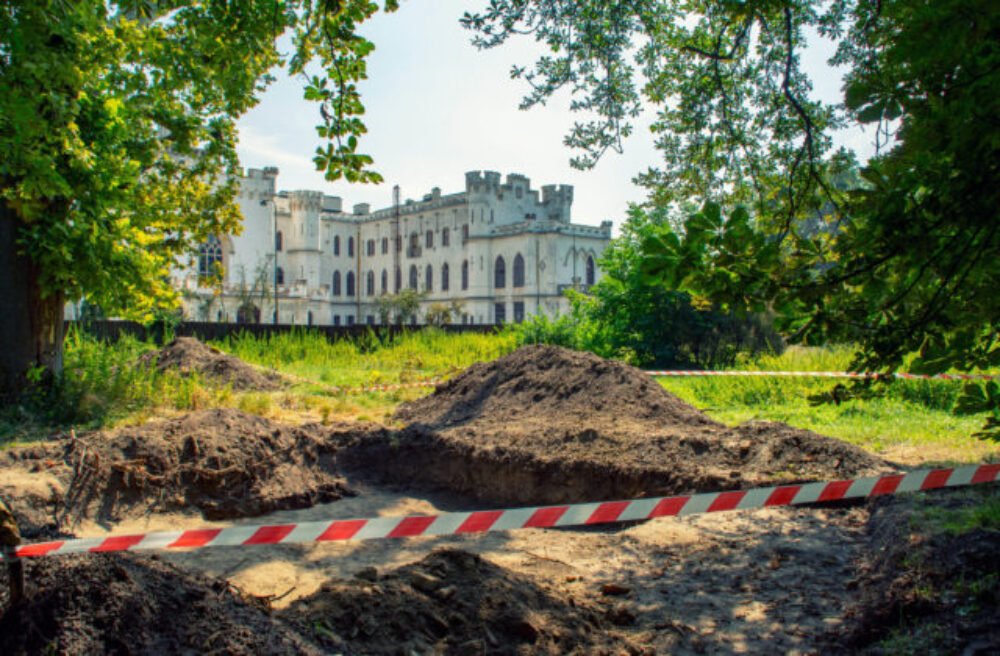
(31, 325)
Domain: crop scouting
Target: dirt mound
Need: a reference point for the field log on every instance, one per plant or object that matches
(548, 425)
(451, 602)
(111, 604)
(924, 586)
(225, 463)
(187, 355)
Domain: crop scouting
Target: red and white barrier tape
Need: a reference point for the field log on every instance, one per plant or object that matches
(481, 521)
(825, 374)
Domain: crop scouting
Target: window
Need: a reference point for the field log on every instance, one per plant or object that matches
(444, 277)
(385, 281)
(370, 281)
(445, 237)
(370, 247)
(413, 276)
(278, 241)
(429, 278)
(465, 274)
(399, 243)
(336, 283)
(209, 257)
(336, 319)
(499, 313)
(350, 247)
(518, 271)
(309, 318)
(279, 276)
(429, 239)
(518, 311)
(465, 233)
(350, 320)
(590, 271)
(385, 245)
(336, 245)
(500, 273)
(370, 319)
(399, 280)
(350, 283)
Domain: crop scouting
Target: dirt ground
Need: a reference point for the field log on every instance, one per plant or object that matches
(778, 580)
(549, 425)
(224, 463)
(188, 355)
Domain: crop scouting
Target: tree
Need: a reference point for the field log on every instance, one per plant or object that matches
(403, 307)
(117, 128)
(908, 261)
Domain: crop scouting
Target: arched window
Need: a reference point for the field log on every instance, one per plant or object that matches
(413, 276)
(445, 237)
(429, 278)
(278, 241)
(429, 239)
(444, 277)
(336, 283)
(385, 281)
(518, 271)
(590, 271)
(500, 273)
(399, 281)
(370, 282)
(209, 257)
(279, 276)
(350, 283)
(465, 274)
(336, 245)
(350, 247)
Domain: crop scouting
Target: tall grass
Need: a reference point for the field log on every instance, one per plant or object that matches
(371, 359)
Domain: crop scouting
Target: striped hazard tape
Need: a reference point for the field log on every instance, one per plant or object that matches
(823, 374)
(481, 521)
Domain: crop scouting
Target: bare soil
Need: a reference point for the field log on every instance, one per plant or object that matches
(127, 604)
(549, 425)
(453, 602)
(224, 463)
(187, 355)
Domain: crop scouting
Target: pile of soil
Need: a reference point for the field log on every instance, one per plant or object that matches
(224, 462)
(452, 602)
(127, 604)
(549, 425)
(924, 588)
(187, 355)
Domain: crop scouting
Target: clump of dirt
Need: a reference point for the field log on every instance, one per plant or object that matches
(549, 425)
(452, 602)
(187, 355)
(127, 604)
(224, 462)
(925, 587)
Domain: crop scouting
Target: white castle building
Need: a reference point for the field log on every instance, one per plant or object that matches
(496, 252)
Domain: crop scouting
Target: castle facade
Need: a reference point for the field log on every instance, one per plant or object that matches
(496, 252)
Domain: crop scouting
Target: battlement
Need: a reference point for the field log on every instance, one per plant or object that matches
(482, 181)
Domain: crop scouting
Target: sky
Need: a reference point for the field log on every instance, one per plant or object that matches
(438, 107)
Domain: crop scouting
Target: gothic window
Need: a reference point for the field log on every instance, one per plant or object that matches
(209, 257)
(279, 276)
(590, 271)
(385, 281)
(278, 241)
(444, 277)
(413, 276)
(500, 273)
(429, 239)
(518, 271)
(465, 274)
(370, 282)
(445, 237)
(336, 283)
(429, 278)
(350, 282)
(350, 247)
(336, 245)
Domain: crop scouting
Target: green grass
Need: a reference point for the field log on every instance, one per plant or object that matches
(908, 420)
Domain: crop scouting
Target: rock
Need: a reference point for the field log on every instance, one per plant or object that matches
(423, 582)
(615, 589)
(367, 574)
(524, 629)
